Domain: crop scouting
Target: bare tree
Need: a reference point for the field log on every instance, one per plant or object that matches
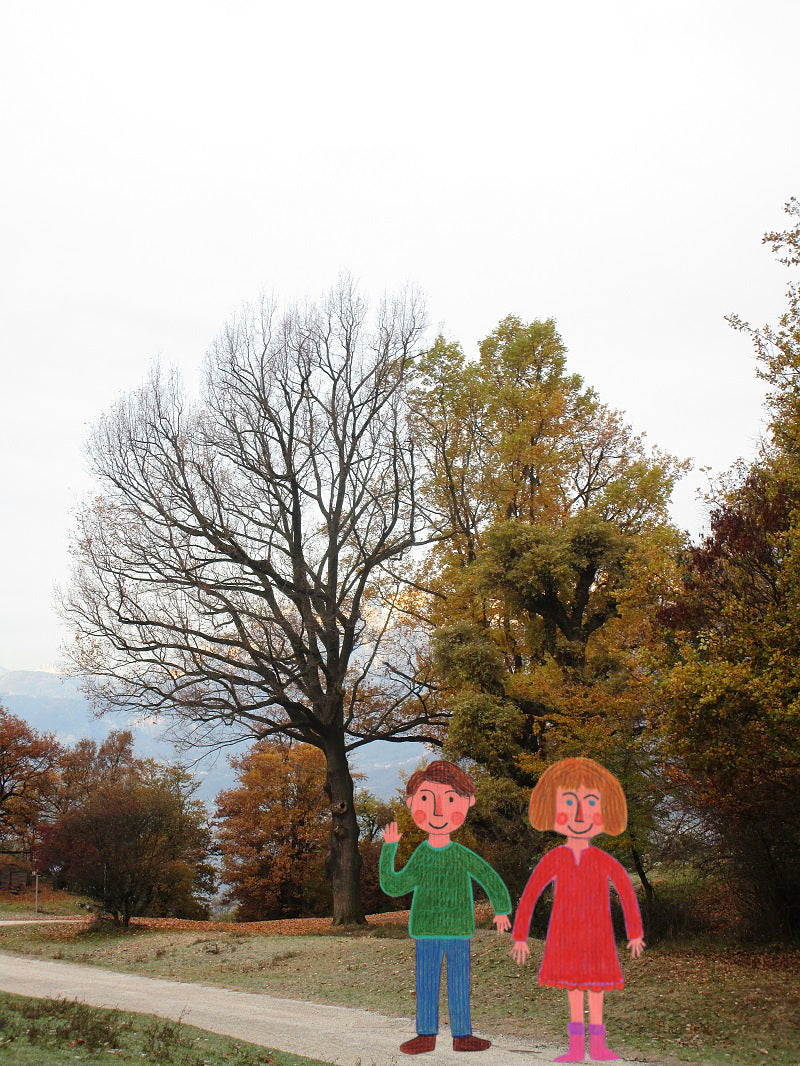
(234, 574)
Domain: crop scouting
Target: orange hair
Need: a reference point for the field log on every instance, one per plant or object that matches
(572, 773)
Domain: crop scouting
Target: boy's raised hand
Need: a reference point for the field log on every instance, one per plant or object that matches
(391, 834)
(520, 951)
(503, 922)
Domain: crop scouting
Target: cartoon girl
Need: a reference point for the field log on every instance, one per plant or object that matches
(580, 799)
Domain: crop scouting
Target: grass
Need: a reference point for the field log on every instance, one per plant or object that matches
(47, 1032)
(52, 904)
(698, 1004)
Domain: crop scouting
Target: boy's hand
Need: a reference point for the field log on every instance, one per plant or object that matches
(636, 946)
(391, 834)
(503, 922)
(520, 951)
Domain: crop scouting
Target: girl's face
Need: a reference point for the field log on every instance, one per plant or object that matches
(579, 813)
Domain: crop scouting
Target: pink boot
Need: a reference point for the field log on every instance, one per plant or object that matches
(597, 1044)
(577, 1043)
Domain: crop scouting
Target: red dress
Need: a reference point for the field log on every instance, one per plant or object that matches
(579, 951)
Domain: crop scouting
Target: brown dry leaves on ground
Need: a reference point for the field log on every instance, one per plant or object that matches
(281, 927)
(291, 926)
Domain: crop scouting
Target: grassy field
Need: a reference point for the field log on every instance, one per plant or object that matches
(51, 904)
(37, 1032)
(698, 1004)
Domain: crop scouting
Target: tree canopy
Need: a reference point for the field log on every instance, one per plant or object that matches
(234, 572)
(28, 762)
(272, 830)
(129, 834)
(541, 599)
(733, 681)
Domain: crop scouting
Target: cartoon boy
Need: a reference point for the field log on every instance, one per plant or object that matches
(442, 920)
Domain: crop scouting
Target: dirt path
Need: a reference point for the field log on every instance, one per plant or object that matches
(332, 1034)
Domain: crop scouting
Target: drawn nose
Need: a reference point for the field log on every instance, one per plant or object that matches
(436, 807)
(579, 816)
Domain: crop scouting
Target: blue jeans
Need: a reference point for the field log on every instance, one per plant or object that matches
(430, 952)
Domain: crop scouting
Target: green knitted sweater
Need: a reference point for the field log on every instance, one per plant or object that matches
(441, 879)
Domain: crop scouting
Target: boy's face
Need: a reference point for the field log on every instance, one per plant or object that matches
(438, 808)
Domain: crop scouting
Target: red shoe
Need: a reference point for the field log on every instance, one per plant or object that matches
(470, 1043)
(418, 1045)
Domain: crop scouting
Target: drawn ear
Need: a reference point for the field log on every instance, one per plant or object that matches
(408, 801)
(472, 801)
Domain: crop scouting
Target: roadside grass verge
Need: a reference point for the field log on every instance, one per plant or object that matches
(40, 1032)
(698, 1003)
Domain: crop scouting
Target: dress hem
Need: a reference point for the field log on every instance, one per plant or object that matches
(571, 986)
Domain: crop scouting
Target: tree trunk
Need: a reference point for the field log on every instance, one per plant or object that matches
(649, 892)
(343, 861)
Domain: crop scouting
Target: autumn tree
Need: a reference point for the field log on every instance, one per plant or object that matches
(27, 762)
(136, 841)
(271, 831)
(560, 542)
(233, 574)
(734, 685)
(80, 766)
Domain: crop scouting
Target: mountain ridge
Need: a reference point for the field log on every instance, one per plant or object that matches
(53, 703)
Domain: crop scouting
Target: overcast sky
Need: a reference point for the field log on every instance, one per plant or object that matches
(612, 165)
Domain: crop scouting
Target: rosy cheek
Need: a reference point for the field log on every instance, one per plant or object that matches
(457, 818)
(420, 817)
(598, 818)
(562, 819)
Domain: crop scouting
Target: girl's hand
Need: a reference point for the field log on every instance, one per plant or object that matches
(391, 834)
(636, 946)
(520, 951)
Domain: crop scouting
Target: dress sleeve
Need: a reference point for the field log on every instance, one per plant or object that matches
(627, 896)
(541, 877)
(396, 882)
(490, 881)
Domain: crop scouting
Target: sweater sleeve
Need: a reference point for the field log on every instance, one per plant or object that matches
(541, 877)
(396, 882)
(627, 896)
(490, 881)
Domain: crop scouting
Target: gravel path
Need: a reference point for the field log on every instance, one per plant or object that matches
(332, 1034)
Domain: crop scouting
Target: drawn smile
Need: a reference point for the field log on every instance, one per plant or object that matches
(442, 826)
(588, 829)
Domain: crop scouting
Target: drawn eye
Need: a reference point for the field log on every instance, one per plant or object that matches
(592, 803)
(570, 803)
(450, 798)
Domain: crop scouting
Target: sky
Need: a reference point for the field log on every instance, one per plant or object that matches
(612, 166)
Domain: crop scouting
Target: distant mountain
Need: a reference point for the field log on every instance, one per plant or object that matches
(39, 684)
(53, 703)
